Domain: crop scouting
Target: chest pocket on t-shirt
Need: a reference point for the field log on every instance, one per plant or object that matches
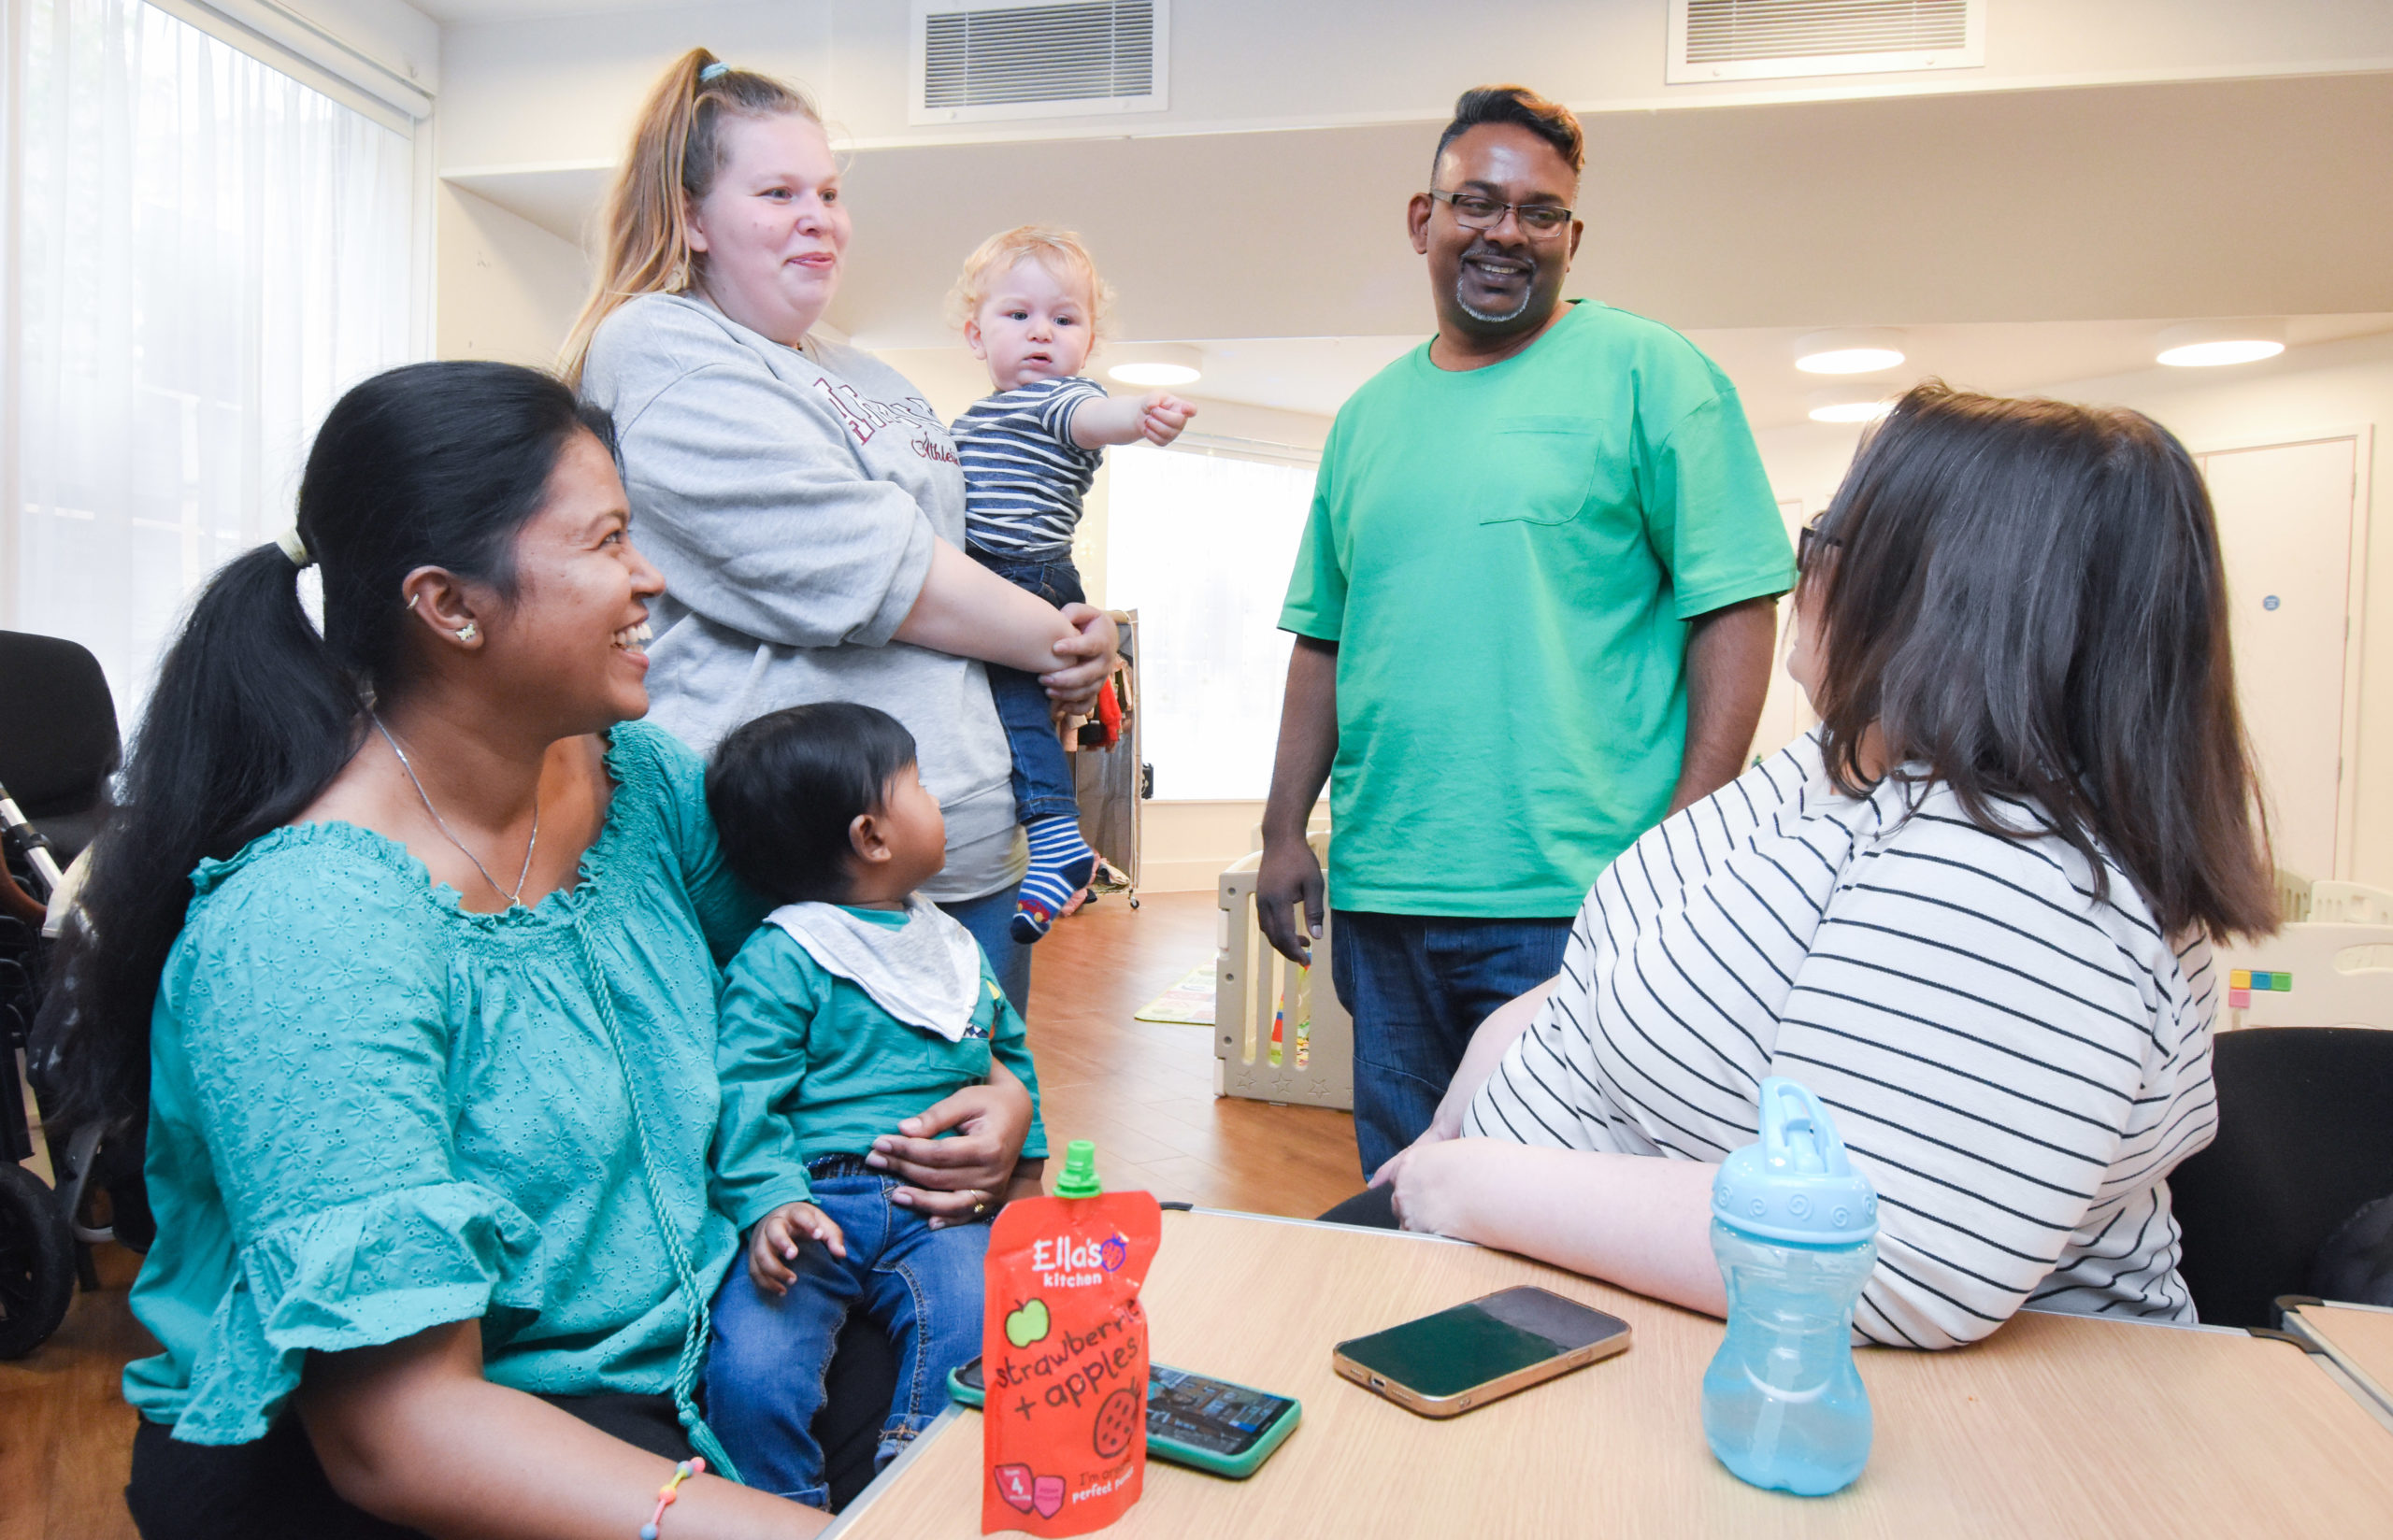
(1537, 470)
(967, 1060)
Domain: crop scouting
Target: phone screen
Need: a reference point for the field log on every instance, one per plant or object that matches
(1212, 1415)
(1455, 1350)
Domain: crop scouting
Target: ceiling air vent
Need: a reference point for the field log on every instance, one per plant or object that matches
(987, 59)
(1776, 39)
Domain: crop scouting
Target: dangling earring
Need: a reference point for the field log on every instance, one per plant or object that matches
(466, 633)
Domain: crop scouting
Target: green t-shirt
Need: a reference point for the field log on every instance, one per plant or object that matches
(1507, 558)
(812, 1065)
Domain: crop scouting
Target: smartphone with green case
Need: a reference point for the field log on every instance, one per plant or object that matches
(1206, 1424)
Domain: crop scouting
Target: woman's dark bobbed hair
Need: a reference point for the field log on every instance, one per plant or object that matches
(254, 711)
(2025, 598)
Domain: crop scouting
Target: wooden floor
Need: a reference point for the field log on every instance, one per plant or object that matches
(1143, 1092)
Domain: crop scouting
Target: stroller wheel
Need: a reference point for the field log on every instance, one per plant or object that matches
(36, 1262)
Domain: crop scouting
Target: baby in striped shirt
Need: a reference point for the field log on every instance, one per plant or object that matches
(1029, 303)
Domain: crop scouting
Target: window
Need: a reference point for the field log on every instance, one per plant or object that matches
(1201, 546)
(206, 254)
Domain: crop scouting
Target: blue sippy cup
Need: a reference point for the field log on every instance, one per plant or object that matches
(1794, 1228)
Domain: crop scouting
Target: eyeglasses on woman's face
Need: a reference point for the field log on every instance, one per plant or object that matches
(1537, 220)
(1809, 542)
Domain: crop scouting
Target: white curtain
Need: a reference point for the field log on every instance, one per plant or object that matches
(1201, 546)
(209, 253)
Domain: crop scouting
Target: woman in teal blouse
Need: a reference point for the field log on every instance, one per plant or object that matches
(414, 931)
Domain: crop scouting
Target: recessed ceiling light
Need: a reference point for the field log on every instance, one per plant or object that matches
(1150, 376)
(1850, 405)
(1151, 364)
(2206, 344)
(1853, 350)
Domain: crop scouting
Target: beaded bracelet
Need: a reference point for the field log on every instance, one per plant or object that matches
(667, 1496)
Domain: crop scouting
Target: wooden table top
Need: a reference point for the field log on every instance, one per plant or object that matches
(2056, 1425)
(2360, 1336)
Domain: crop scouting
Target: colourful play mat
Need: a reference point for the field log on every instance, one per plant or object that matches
(1187, 1003)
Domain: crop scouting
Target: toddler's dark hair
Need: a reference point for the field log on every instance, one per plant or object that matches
(785, 788)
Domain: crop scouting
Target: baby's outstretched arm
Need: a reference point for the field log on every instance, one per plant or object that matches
(1155, 417)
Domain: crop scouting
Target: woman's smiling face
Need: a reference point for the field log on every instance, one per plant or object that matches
(574, 635)
(772, 229)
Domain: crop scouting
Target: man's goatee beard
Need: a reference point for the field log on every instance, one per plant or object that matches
(1493, 318)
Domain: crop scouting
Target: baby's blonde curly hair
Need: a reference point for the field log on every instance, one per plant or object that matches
(1058, 250)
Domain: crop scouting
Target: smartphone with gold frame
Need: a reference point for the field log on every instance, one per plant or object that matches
(1446, 1363)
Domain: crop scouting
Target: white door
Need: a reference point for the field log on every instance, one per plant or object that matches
(2285, 527)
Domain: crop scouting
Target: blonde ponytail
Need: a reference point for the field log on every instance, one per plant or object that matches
(676, 151)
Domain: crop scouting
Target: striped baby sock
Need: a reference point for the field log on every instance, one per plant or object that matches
(1061, 864)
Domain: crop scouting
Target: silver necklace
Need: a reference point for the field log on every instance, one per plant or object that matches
(515, 899)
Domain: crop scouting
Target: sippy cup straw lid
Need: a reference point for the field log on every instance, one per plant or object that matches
(1798, 1184)
(1078, 1179)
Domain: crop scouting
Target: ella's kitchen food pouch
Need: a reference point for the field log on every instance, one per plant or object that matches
(1064, 1355)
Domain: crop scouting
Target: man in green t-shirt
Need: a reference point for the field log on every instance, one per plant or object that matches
(1534, 608)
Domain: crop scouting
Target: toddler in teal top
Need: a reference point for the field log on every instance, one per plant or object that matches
(855, 1006)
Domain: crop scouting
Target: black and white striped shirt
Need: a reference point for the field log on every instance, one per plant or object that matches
(2015, 1065)
(1024, 478)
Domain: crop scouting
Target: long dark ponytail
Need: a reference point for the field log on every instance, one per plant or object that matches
(254, 711)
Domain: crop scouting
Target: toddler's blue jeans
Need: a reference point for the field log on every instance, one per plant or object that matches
(1042, 781)
(764, 1370)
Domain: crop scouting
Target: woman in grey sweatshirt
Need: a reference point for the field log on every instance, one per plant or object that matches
(802, 499)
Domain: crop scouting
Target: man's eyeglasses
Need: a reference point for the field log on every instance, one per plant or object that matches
(1807, 542)
(1472, 212)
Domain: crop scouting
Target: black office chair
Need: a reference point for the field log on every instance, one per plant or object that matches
(59, 745)
(2305, 1137)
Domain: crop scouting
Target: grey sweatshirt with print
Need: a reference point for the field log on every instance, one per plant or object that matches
(791, 497)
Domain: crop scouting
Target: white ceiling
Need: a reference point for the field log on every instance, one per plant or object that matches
(2178, 200)
(2001, 358)
(2007, 230)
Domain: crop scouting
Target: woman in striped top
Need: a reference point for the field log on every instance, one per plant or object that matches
(1971, 910)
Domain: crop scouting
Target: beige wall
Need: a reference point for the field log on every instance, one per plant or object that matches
(1186, 845)
(562, 88)
(1961, 196)
(508, 289)
(1190, 844)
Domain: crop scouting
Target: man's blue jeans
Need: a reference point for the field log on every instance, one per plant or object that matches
(1417, 987)
(1042, 781)
(766, 1367)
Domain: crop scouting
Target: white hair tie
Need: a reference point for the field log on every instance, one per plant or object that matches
(715, 71)
(294, 548)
